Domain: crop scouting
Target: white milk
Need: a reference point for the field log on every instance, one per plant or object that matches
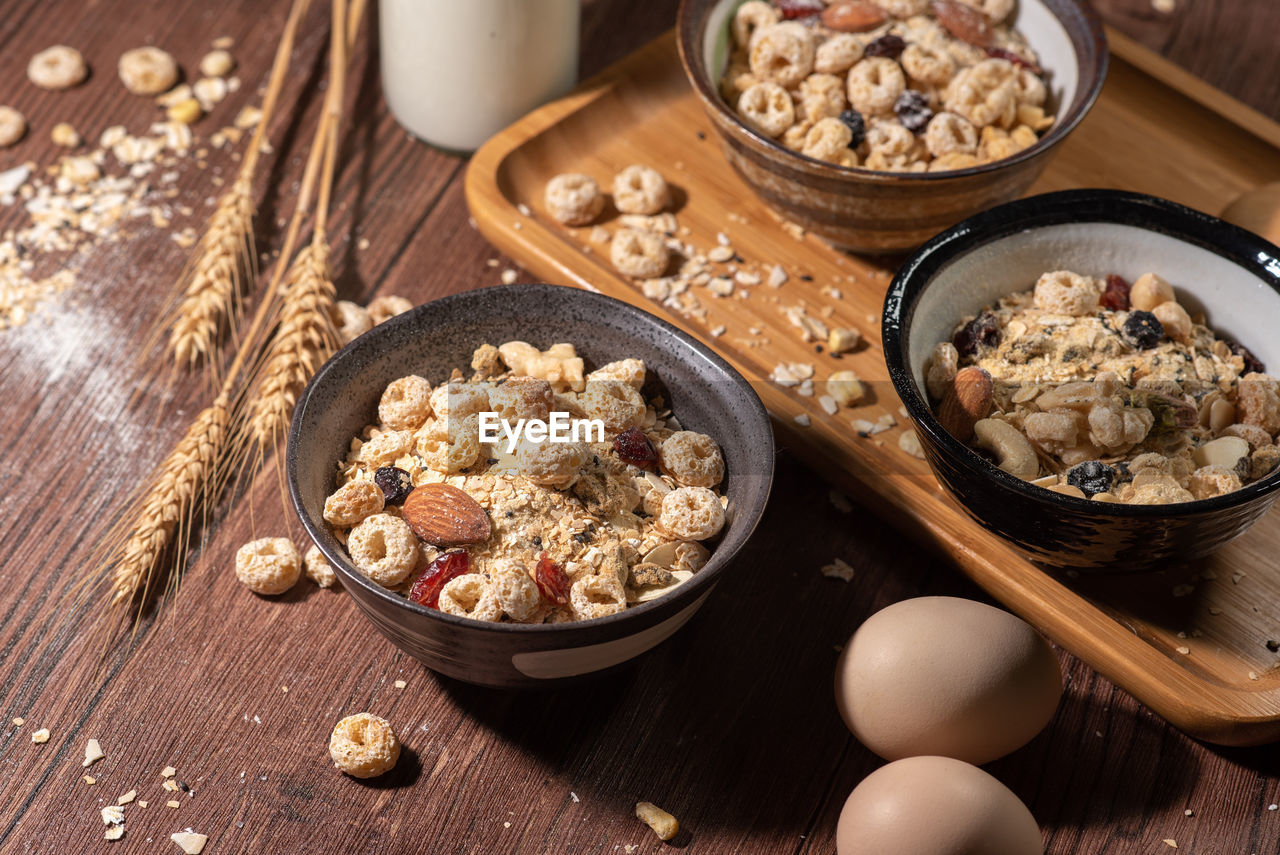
(457, 71)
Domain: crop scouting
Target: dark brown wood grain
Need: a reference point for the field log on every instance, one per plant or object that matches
(730, 725)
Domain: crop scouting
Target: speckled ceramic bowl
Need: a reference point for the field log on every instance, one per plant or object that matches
(869, 211)
(704, 392)
(1230, 274)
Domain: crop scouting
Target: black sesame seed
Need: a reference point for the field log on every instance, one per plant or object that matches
(1273, 645)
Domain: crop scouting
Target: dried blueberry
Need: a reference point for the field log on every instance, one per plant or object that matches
(857, 126)
(1251, 362)
(913, 110)
(982, 331)
(394, 483)
(889, 45)
(1091, 477)
(1142, 330)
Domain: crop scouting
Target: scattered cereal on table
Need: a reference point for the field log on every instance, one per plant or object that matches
(41, 736)
(112, 815)
(92, 753)
(127, 797)
(13, 127)
(147, 70)
(663, 824)
(173, 804)
(90, 780)
(57, 67)
(364, 746)
(509, 276)
(216, 63)
(838, 569)
(65, 135)
(189, 842)
(168, 772)
(113, 832)
(269, 565)
(639, 189)
(573, 199)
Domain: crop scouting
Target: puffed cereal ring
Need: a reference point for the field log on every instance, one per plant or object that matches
(639, 253)
(318, 569)
(351, 320)
(890, 139)
(552, 464)
(690, 557)
(386, 447)
(751, 17)
(827, 140)
(459, 400)
(1030, 88)
(985, 94)
(875, 83)
(691, 513)
(953, 160)
(405, 403)
(882, 162)
(57, 67)
(470, 595)
(822, 97)
(364, 746)
(515, 590)
(269, 565)
(783, 53)
(629, 371)
(1062, 292)
(768, 108)
(522, 398)
(837, 54)
(793, 137)
(353, 502)
(449, 445)
(948, 133)
(573, 199)
(597, 596)
(615, 403)
(383, 548)
(640, 189)
(386, 307)
(928, 64)
(693, 459)
(13, 126)
(147, 71)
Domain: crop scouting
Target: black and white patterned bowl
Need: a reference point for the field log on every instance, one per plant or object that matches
(704, 392)
(1229, 273)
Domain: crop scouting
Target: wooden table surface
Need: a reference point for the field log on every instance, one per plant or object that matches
(730, 725)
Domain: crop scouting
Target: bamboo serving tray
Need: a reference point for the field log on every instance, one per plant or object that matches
(1190, 642)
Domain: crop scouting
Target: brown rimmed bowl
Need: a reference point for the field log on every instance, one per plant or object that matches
(1232, 275)
(876, 212)
(704, 392)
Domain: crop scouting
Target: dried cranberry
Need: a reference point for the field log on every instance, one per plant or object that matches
(857, 126)
(1016, 59)
(1142, 330)
(1251, 362)
(1091, 477)
(446, 567)
(888, 45)
(396, 485)
(913, 110)
(553, 582)
(982, 331)
(792, 9)
(633, 447)
(1117, 294)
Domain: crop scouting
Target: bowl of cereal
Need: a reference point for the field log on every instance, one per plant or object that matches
(1086, 371)
(521, 485)
(877, 124)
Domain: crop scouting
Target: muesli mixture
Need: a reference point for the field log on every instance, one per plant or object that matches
(528, 531)
(1100, 389)
(889, 85)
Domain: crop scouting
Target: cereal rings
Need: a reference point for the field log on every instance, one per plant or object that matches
(985, 94)
(948, 133)
(928, 64)
(269, 565)
(364, 746)
(890, 139)
(471, 596)
(1030, 88)
(1062, 292)
(615, 403)
(767, 108)
(406, 403)
(522, 398)
(782, 53)
(837, 54)
(318, 569)
(552, 464)
(58, 67)
(450, 444)
(692, 459)
(822, 97)
(353, 502)
(573, 199)
(875, 84)
(147, 71)
(384, 548)
(629, 371)
(216, 63)
(639, 253)
(386, 447)
(459, 400)
(386, 307)
(691, 513)
(827, 140)
(640, 190)
(597, 596)
(13, 126)
(350, 320)
(750, 18)
(515, 590)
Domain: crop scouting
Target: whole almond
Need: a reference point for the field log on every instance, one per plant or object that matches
(853, 16)
(968, 401)
(443, 515)
(964, 22)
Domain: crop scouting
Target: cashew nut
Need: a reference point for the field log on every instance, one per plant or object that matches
(559, 365)
(1012, 450)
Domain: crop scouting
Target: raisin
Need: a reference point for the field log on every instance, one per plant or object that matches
(792, 9)
(964, 22)
(446, 567)
(888, 45)
(553, 582)
(913, 110)
(1273, 645)
(1251, 362)
(394, 483)
(982, 331)
(1117, 294)
(857, 126)
(1016, 59)
(1091, 477)
(633, 447)
(1142, 330)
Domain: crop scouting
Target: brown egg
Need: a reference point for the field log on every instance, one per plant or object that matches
(935, 806)
(948, 677)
